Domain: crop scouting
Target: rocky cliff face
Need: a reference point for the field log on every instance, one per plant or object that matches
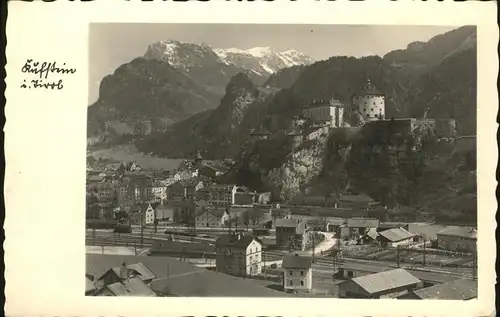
(216, 133)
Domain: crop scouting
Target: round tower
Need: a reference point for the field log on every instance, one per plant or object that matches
(369, 102)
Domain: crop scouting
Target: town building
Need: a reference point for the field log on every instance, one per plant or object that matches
(159, 192)
(123, 272)
(142, 188)
(125, 194)
(291, 233)
(238, 255)
(350, 270)
(455, 238)
(164, 213)
(142, 214)
(330, 115)
(275, 213)
(244, 196)
(358, 226)
(369, 102)
(387, 284)
(396, 237)
(105, 191)
(132, 286)
(221, 195)
(185, 210)
(208, 171)
(263, 198)
(211, 217)
(297, 273)
(185, 189)
(462, 289)
(333, 224)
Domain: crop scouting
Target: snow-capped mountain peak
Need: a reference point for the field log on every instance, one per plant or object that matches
(260, 60)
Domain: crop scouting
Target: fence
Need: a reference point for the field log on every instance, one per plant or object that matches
(411, 255)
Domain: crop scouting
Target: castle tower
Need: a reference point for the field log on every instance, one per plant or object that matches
(369, 102)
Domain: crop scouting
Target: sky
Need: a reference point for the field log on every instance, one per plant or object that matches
(113, 44)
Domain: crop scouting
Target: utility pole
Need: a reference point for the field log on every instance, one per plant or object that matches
(142, 225)
(313, 244)
(474, 266)
(397, 255)
(424, 253)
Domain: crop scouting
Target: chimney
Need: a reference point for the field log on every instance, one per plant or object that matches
(123, 271)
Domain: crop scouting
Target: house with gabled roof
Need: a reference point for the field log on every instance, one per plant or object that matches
(456, 238)
(291, 233)
(358, 226)
(132, 286)
(396, 237)
(297, 273)
(211, 217)
(238, 255)
(386, 284)
(124, 272)
(142, 214)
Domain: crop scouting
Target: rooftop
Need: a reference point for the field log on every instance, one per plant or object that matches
(456, 290)
(369, 89)
(362, 223)
(379, 282)
(396, 234)
(209, 283)
(89, 285)
(292, 223)
(130, 287)
(221, 187)
(296, 262)
(98, 264)
(435, 277)
(457, 231)
(231, 240)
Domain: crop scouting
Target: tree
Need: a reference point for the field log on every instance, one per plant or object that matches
(246, 218)
(256, 216)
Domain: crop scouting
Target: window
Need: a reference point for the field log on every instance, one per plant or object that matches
(371, 109)
(290, 283)
(290, 273)
(301, 273)
(301, 283)
(350, 273)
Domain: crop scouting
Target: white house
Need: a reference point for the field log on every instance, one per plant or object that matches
(238, 255)
(149, 215)
(159, 191)
(297, 275)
